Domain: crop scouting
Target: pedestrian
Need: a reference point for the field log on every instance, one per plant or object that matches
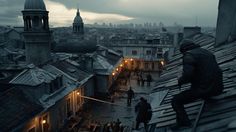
(202, 71)
(143, 109)
(138, 80)
(130, 94)
(149, 79)
(142, 80)
(117, 126)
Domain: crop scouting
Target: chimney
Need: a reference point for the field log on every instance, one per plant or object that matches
(190, 31)
(226, 26)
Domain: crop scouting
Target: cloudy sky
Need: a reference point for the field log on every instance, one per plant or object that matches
(62, 12)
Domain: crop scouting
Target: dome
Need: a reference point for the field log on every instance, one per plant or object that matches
(78, 18)
(34, 5)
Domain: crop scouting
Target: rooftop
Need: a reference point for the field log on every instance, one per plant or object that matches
(215, 115)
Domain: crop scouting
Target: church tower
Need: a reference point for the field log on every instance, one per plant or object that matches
(36, 32)
(78, 25)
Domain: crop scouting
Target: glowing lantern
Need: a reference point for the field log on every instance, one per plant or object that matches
(113, 74)
(162, 63)
(78, 93)
(126, 61)
(44, 121)
(117, 69)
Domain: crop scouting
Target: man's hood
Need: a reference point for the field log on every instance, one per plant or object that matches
(187, 45)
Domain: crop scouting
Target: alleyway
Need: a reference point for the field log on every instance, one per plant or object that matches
(105, 113)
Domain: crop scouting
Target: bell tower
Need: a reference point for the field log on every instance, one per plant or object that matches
(36, 32)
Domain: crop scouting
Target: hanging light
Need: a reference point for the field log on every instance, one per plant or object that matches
(113, 74)
(44, 121)
(78, 93)
(117, 69)
(162, 63)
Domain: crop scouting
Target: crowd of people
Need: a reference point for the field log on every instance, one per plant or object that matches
(141, 80)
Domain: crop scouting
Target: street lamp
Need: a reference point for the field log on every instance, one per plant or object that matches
(78, 93)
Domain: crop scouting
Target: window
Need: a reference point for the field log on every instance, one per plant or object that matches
(153, 65)
(68, 105)
(148, 52)
(60, 82)
(134, 52)
(51, 85)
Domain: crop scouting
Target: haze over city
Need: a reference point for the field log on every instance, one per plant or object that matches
(62, 12)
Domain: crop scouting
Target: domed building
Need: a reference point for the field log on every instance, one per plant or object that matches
(78, 25)
(34, 5)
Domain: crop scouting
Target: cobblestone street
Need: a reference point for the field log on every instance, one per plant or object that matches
(104, 113)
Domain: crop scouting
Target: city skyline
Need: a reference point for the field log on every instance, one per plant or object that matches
(62, 13)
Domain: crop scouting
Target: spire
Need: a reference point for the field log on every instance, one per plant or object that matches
(78, 13)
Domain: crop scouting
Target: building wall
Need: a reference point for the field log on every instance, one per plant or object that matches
(58, 113)
(141, 52)
(89, 87)
(101, 84)
(139, 64)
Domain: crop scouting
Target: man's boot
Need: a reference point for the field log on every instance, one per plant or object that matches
(182, 121)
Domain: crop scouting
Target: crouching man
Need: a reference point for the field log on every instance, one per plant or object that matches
(202, 71)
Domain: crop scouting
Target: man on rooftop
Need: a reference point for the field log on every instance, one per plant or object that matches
(202, 71)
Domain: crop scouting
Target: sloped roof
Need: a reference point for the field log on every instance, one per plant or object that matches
(101, 62)
(16, 109)
(33, 76)
(71, 70)
(205, 116)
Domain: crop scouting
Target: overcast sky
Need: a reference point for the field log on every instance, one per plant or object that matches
(62, 12)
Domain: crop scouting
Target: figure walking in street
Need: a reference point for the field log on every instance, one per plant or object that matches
(142, 80)
(130, 94)
(202, 71)
(149, 79)
(138, 80)
(144, 113)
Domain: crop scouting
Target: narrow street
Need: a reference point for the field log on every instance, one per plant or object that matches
(106, 113)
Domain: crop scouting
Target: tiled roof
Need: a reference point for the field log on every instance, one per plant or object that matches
(205, 116)
(16, 109)
(33, 76)
(71, 70)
